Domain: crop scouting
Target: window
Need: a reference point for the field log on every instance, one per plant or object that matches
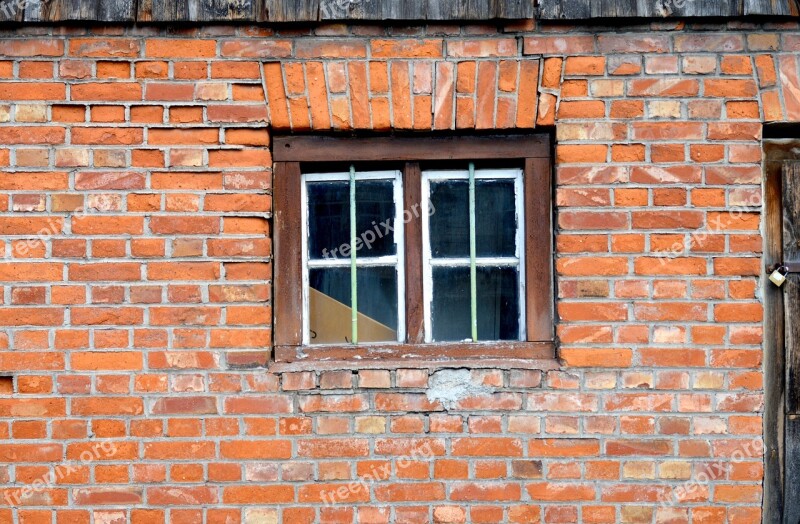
(425, 248)
(472, 236)
(352, 248)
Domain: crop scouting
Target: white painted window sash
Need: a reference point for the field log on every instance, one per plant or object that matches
(485, 262)
(397, 261)
(429, 262)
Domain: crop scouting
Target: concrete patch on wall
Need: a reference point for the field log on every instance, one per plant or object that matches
(449, 386)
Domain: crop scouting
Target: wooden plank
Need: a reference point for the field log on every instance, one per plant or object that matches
(774, 370)
(329, 10)
(287, 267)
(791, 499)
(791, 297)
(411, 352)
(91, 10)
(438, 10)
(538, 249)
(513, 9)
(303, 10)
(10, 12)
(330, 149)
(198, 10)
(772, 7)
(565, 9)
(588, 9)
(415, 311)
(543, 364)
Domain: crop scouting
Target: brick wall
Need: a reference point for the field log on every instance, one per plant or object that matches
(135, 322)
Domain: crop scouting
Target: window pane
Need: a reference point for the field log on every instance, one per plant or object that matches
(377, 304)
(375, 213)
(495, 218)
(449, 223)
(497, 298)
(330, 312)
(328, 218)
(498, 303)
(450, 307)
(329, 306)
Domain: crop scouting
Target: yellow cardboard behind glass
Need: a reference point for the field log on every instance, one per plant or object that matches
(331, 323)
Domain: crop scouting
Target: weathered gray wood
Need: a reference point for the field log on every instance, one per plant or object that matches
(10, 12)
(198, 10)
(89, 10)
(564, 9)
(791, 253)
(298, 10)
(511, 9)
(587, 9)
(333, 10)
(330, 10)
(791, 513)
(696, 8)
(772, 7)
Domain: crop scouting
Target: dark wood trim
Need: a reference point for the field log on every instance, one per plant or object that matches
(438, 352)
(288, 304)
(774, 361)
(385, 149)
(791, 506)
(415, 310)
(791, 289)
(542, 364)
(287, 267)
(538, 250)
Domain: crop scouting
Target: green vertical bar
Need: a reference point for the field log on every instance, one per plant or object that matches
(473, 285)
(353, 279)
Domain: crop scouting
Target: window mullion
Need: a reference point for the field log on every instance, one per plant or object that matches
(414, 248)
(473, 284)
(353, 265)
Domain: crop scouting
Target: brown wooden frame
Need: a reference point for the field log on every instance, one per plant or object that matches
(532, 150)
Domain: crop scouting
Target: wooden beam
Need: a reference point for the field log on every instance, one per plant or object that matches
(791, 297)
(538, 249)
(412, 352)
(412, 192)
(287, 267)
(380, 149)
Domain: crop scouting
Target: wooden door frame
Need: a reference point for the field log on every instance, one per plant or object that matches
(776, 151)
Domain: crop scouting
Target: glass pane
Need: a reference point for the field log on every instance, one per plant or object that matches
(495, 218)
(450, 304)
(330, 312)
(328, 219)
(375, 212)
(497, 297)
(449, 223)
(377, 304)
(498, 303)
(329, 306)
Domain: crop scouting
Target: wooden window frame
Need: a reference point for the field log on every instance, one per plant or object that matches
(534, 154)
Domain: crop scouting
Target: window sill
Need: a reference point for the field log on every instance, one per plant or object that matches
(505, 355)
